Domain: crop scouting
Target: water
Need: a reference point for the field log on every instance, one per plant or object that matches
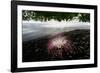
(36, 29)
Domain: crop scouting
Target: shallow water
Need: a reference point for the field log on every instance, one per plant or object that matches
(35, 29)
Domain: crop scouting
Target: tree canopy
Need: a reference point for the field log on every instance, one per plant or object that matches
(59, 16)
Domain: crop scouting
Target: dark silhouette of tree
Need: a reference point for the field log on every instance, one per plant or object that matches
(59, 16)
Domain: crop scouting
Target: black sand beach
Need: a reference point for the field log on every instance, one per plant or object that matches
(37, 50)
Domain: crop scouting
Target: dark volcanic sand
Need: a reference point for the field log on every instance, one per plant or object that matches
(36, 50)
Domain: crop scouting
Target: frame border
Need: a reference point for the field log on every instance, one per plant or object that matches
(14, 35)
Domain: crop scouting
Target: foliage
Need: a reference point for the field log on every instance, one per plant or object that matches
(59, 16)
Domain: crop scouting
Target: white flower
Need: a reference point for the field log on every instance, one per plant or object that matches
(58, 41)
